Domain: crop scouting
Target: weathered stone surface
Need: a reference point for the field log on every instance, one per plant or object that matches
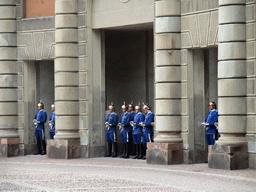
(66, 35)
(234, 105)
(195, 156)
(66, 50)
(166, 123)
(232, 14)
(167, 24)
(65, 6)
(167, 41)
(163, 74)
(66, 79)
(63, 149)
(66, 93)
(168, 107)
(164, 153)
(9, 150)
(232, 124)
(167, 57)
(234, 50)
(252, 160)
(167, 8)
(232, 87)
(233, 68)
(165, 90)
(232, 32)
(65, 21)
(228, 161)
(7, 26)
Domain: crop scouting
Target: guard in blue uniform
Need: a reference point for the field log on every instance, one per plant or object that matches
(111, 124)
(137, 131)
(39, 121)
(125, 128)
(132, 115)
(147, 128)
(209, 124)
(52, 122)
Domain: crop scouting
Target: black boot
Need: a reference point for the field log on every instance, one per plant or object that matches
(44, 147)
(115, 149)
(140, 151)
(109, 150)
(126, 150)
(137, 148)
(38, 148)
(144, 153)
(123, 152)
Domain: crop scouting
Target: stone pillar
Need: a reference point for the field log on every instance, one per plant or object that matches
(9, 138)
(66, 143)
(168, 146)
(231, 149)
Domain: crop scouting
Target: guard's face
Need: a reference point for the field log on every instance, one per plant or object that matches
(39, 107)
(130, 109)
(211, 107)
(111, 110)
(53, 108)
(146, 111)
(137, 110)
(124, 110)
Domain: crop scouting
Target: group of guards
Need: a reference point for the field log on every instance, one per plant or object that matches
(134, 127)
(39, 121)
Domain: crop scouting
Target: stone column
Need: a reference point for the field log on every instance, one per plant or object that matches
(66, 82)
(9, 143)
(231, 149)
(167, 148)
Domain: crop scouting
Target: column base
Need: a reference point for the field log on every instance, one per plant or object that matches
(164, 153)
(230, 157)
(63, 149)
(9, 147)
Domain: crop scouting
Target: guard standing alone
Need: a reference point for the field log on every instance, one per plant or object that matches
(124, 127)
(39, 121)
(52, 122)
(111, 124)
(209, 124)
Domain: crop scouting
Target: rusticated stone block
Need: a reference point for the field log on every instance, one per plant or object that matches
(164, 153)
(228, 161)
(9, 147)
(63, 149)
(230, 157)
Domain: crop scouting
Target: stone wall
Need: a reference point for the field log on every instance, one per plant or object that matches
(251, 89)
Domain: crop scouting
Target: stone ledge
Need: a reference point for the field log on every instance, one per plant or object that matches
(165, 146)
(63, 149)
(231, 149)
(9, 141)
(164, 153)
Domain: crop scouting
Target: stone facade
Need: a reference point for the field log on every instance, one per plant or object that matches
(203, 50)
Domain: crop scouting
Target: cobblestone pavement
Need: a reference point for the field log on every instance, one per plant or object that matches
(38, 173)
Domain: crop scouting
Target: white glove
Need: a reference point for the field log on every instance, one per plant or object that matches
(106, 123)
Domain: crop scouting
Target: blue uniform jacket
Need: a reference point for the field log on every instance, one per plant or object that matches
(52, 119)
(125, 120)
(113, 120)
(148, 120)
(139, 118)
(133, 114)
(211, 118)
(41, 117)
